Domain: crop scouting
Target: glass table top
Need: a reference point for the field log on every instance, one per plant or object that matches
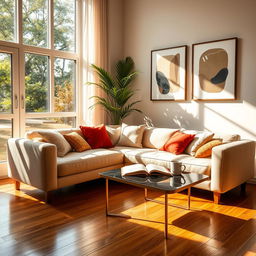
(158, 182)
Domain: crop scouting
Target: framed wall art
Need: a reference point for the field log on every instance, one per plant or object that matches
(214, 70)
(168, 74)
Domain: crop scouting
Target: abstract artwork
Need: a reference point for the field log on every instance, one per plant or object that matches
(168, 73)
(214, 70)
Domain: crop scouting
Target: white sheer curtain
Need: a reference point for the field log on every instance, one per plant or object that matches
(94, 51)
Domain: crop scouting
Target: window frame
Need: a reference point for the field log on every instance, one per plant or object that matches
(52, 54)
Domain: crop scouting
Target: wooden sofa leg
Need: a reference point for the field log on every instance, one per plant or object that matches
(48, 197)
(243, 188)
(216, 197)
(17, 185)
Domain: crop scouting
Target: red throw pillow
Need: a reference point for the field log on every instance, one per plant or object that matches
(97, 136)
(178, 142)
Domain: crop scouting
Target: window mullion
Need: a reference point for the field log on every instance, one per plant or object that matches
(52, 84)
(51, 46)
(79, 51)
(19, 22)
(51, 24)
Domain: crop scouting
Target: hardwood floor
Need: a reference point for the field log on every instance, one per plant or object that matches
(75, 222)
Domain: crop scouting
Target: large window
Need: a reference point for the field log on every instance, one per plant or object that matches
(38, 66)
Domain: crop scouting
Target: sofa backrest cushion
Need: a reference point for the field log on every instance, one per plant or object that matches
(227, 137)
(156, 137)
(131, 136)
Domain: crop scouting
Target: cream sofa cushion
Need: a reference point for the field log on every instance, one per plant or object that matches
(77, 162)
(163, 158)
(156, 137)
(131, 136)
(227, 137)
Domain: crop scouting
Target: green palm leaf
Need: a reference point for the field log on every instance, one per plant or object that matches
(105, 78)
(118, 91)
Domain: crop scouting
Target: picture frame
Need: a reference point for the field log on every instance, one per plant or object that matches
(214, 66)
(168, 74)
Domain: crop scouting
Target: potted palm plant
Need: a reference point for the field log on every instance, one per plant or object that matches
(118, 90)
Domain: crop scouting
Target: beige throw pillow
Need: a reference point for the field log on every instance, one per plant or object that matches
(131, 136)
(57, 139)
(114, 132)
(77, 142)
(199, 140)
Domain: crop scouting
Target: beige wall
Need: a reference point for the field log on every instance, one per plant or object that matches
(154, 24)
(115, 31)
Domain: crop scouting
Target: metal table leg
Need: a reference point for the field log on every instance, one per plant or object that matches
(107, 205)
(189, 192)
(146, 198)
(166, 216)
(146, 193)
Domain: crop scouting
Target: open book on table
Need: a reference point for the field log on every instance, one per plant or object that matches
(140, 169)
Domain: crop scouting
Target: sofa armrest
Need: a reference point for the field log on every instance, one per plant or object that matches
(33, 163)
(232, 165)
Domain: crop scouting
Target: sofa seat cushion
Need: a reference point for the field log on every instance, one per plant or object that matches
(77, 162)
(163, 158)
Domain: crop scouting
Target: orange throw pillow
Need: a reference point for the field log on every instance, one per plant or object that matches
(206, 149)
(77, 142)
(178, 142)
(97, 136)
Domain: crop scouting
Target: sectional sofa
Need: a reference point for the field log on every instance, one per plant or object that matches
(36, 163)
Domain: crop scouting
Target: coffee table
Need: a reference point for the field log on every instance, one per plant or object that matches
(165, 184)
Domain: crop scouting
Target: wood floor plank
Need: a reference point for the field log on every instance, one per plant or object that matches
(75, 222)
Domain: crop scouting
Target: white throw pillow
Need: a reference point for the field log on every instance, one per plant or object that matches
(131, 136)
(199, 140)
(63, 147)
